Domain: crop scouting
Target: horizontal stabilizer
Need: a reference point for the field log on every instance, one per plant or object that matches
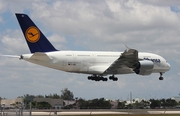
(11, 56)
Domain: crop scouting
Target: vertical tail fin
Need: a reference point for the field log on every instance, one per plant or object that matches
(35, 39)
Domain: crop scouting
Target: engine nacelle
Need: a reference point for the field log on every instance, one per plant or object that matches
(144, 72)
(144, 67)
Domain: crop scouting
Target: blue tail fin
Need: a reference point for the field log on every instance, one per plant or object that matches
(35, 39)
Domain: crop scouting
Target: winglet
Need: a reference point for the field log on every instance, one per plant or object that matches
(127, 48)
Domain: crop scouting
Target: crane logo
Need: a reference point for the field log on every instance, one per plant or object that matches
(32, 34)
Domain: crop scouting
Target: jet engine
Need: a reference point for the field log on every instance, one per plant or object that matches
(144, 67)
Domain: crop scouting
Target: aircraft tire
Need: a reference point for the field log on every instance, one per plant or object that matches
(161, 78)
(110, 77)
(89, 78)
(104, 79)
(115, 79)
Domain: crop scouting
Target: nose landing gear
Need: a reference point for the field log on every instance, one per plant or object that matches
(161, 78)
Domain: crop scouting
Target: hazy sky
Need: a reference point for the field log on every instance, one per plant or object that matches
(102, 25)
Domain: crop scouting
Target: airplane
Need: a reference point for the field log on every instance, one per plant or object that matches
(95, 63)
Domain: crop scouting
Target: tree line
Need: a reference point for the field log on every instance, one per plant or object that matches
(66, 94)
(100, 103)
(94, 104)
(152, 103)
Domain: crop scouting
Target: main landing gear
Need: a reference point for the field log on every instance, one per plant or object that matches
(97, 78)
(161, 78)
(101, 78)
(113, 78)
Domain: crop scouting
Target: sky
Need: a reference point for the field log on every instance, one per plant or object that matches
(91, 25)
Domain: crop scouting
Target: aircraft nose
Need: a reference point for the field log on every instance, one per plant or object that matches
(169, 66)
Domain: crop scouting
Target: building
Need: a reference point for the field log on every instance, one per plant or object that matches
(12, 103)
(69, 102)
(114, 104)
(18, 102)
(55, 103)
(177, 99)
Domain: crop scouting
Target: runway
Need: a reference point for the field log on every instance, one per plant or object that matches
(8, 113)
(87, 112)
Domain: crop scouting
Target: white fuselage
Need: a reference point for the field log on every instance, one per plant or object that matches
(90, 62)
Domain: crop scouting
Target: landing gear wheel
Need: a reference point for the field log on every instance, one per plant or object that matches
(110, 77)
(97, 78)
(115, 79)
(105, 79)
(161, 78)
(89, 77)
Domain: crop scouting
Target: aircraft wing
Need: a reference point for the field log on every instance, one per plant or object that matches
(126, 60)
